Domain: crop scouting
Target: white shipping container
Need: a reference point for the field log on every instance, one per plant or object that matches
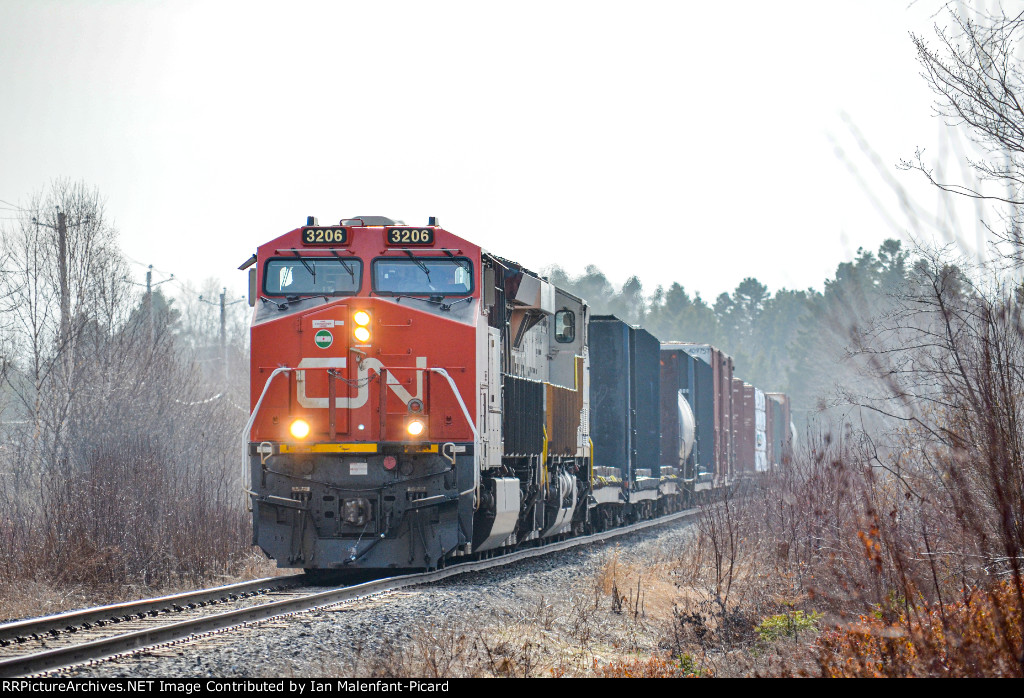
(760, 437)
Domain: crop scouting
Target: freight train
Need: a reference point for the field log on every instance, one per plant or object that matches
(416, 400)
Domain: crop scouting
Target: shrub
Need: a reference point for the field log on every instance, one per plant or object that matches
(977, 635)
(789, 624)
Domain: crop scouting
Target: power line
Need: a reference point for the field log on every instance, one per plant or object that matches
(173, 279)
(147, 266)
(133, 261)
(186, 289)
(14, 206)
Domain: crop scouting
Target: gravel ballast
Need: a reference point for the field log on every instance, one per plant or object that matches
(551, 615)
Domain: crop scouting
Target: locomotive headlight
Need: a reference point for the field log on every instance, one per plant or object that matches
(414, 427)
(299, 428)
(362, 331)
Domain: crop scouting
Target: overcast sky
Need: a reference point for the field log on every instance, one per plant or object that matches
(678, 141)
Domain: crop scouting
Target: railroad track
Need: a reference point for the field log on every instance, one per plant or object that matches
(43, 644)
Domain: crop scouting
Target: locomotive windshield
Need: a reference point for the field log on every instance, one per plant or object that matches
(433, 276)
(312, 276)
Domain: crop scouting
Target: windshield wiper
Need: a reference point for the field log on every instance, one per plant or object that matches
(434, 300)
(461, 262)
(399, 298)
(310, 269)
(448, 306)
(344, 264)
(293, 299)
(280, 306)
(420, 264)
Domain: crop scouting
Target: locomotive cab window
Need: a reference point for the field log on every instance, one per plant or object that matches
(565, 326)
(312, 276)
(428, 276)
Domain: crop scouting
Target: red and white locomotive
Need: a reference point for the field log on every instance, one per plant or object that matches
(416, 399)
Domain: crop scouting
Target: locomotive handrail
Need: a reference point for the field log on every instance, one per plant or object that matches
(476, 434)
(248, 431)
(307, 250)
(420, 250)
(284, 369)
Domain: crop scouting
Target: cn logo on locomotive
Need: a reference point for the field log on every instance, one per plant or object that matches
(362, 380)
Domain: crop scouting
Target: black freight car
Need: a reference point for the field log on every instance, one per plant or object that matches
(624, 404)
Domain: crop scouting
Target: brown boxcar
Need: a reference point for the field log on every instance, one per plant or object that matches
(744, 438)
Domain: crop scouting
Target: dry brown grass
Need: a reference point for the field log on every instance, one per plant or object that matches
(126, 524)
(643, 588)
(599, 626)
(29, 597)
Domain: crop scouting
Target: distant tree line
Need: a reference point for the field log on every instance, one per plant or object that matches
(789, 341)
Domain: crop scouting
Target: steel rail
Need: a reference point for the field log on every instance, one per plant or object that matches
(121, 644)
(114, 613)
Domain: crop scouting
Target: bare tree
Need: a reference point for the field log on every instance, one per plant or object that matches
(975, 72)
(946, 478)
(122, 467)
(63, 273)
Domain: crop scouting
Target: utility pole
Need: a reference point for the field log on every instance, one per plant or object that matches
(62, 265)
(149, 302)
(223, 334)
(65, 296)
(223, 329)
